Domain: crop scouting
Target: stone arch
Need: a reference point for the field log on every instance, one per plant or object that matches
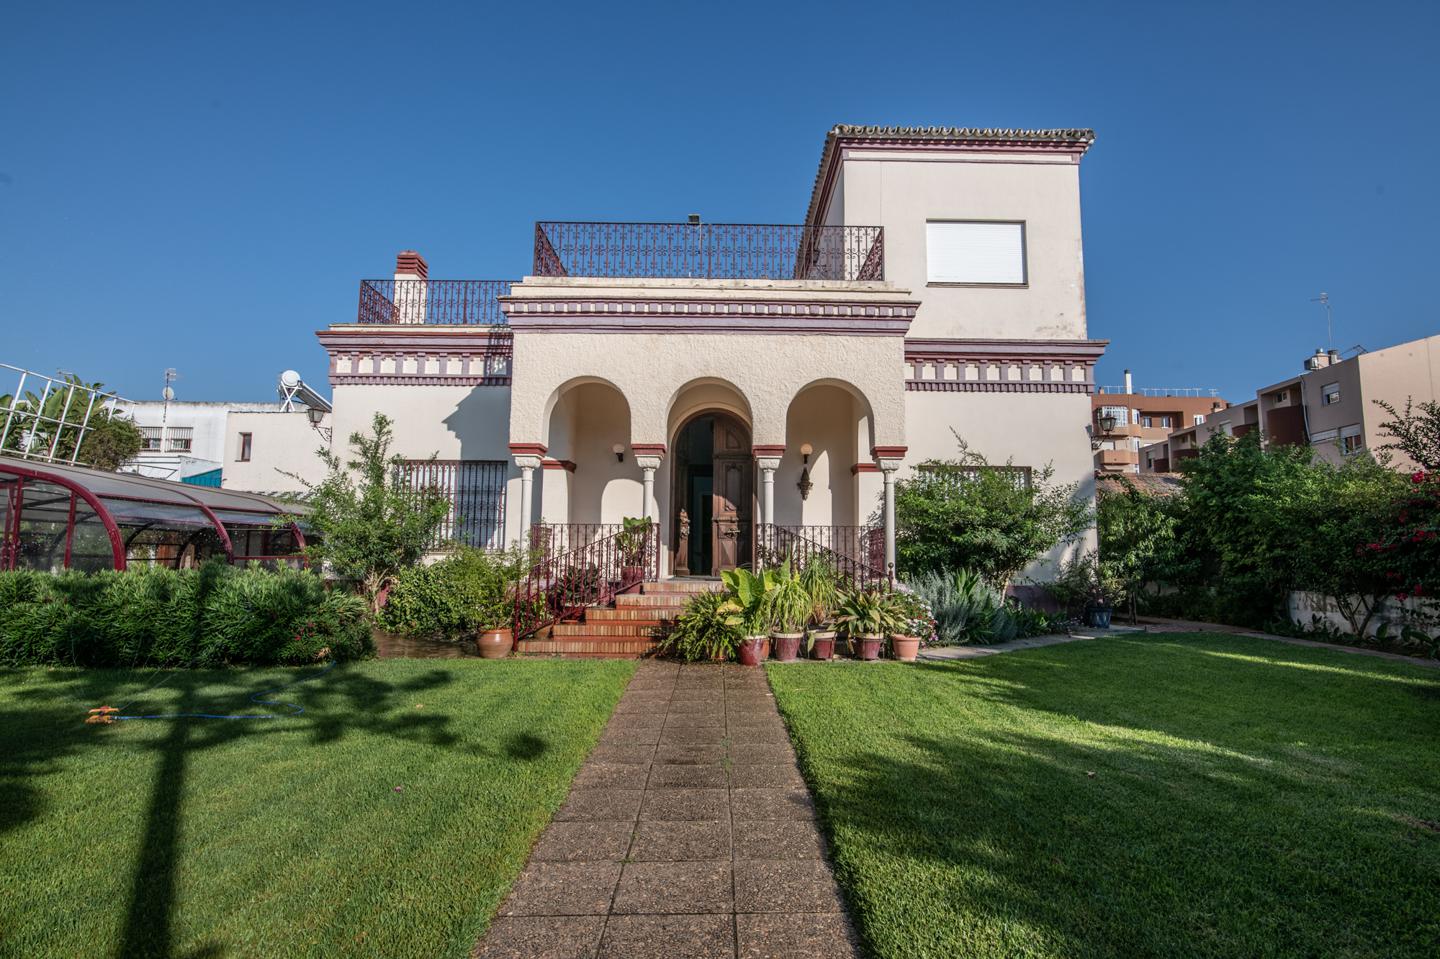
(584, 481)
(706, 393)
(834, 418)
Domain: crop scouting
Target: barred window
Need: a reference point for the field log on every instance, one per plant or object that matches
(476, 490)
(1020, 476)
(179, 439)
(153, 436)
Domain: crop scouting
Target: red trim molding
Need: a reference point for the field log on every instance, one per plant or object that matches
(643, 313)
(888, 452)
(549, 464)
(859, 468)
(769, 449)
(528, 449)
(648, 449)
(1002, 366)
(414, 355)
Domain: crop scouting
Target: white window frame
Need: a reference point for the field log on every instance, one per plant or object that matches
(1348, 433)
(944, 279)
(1330, 394)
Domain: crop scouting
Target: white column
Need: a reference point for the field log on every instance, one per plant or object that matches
(648, 465)
(889, 518)
(768, 465)
(528, 465)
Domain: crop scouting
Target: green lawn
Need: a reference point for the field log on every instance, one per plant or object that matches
(1166, 796)
(283, 837)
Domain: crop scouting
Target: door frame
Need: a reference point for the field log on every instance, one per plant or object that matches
(679, 492)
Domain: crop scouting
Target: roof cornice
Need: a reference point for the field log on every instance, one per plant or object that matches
(1075, 141)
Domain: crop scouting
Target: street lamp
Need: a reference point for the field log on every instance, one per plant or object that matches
(1107, 423)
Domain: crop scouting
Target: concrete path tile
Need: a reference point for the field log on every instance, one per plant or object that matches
(601, 805)
(772, 885)
(688, 833)
(669, 937)
(794, 937)
(658, 888)
(680, 842)
(583, 842)
(563, 889)
(543, 937)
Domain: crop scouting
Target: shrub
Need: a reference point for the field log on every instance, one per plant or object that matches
(964, 606)
(967, 514)
(212, 616)
(703, 631)
(467, 592)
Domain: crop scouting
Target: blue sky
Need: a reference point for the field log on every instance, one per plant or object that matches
(202, 186)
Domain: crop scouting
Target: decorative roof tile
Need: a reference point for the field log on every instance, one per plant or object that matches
(1069, 139)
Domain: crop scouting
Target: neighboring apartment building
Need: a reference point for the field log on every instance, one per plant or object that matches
(241, 446)
(1331, 406)
(732, 380)
(1123, 420)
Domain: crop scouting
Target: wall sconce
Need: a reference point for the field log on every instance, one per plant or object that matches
(316, 417)
(619, 450)
(805, 485)
(1107, 423)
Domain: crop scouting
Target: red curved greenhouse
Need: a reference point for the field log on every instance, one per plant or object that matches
(55, 517)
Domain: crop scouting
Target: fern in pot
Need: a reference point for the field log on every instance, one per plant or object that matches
(790, 609)
(866, 616)
(748, 611)
(822, 584)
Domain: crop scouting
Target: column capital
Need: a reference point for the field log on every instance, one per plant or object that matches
(646, 461)
(527, 461)
(768, 464)
(889, 466)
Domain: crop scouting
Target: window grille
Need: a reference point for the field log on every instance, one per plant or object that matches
(179, 439)
(1020, 476)
(154, 437)
(476, 490)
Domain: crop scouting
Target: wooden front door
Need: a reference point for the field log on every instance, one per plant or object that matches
(732, 493)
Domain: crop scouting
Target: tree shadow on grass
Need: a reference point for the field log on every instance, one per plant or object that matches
(1029, 845)
(49, 726)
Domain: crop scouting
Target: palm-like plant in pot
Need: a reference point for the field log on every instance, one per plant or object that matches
(790, 609)
(747, 610)
(632, 544)
(822, 583)
(866, 616)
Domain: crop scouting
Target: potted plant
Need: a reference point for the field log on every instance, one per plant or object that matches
(747, 611)
(822, 584)
(494, 641)
(917, 625)
(631, 543)
(866, 616)
(789, 610)
(701, 633)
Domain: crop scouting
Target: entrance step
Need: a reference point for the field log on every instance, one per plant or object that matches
(683, 586)
(629, 600)
(599, 647)
(648, 614)
(634, 629)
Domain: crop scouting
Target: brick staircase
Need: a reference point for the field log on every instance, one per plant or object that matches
(623, 630)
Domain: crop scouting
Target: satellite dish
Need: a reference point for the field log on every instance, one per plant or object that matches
(290, 379)
(168, 393)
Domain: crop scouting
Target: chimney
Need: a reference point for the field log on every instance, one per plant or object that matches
(1334, 357)
(411, 287)
(410, 265)
(1129, 383)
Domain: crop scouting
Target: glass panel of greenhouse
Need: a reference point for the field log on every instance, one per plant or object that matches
(55, 517)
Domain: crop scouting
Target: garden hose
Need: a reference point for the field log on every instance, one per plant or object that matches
(109, 714)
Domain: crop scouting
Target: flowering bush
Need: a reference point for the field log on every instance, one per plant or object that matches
(917, 619)
(1411, 553)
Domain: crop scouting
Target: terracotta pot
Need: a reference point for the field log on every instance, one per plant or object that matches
(787, 646)
(905, 648)
(822, 644)
(631, 576)
(752, 650)
(494, 643)
(867, 647)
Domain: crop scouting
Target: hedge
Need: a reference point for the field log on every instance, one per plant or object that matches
(212, 616)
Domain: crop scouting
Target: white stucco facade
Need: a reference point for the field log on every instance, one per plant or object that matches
(591, 390)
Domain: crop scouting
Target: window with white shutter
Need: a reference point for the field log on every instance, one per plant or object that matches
(975, 252)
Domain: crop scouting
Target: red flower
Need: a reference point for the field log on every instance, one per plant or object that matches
(1418, 476)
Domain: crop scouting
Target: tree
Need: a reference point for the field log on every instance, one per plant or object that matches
(372, 523)
(1137, 538)
(968, 514)
(1415, 432)
(109, 438)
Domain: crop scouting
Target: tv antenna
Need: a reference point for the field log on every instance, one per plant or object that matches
(1324, 300)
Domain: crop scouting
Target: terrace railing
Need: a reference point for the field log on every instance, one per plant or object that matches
(856, 552)
(453, 302)
(720, 251)
(578, 565)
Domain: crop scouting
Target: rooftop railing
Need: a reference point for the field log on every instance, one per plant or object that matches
(456, 302)
(717, 251)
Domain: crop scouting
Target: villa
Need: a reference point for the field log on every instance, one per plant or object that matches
(748, 387)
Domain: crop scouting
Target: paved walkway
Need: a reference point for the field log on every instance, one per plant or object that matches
(688, 833)
(1034, 642)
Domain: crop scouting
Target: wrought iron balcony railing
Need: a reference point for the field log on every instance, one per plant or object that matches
(457, 302)
(720, 251)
